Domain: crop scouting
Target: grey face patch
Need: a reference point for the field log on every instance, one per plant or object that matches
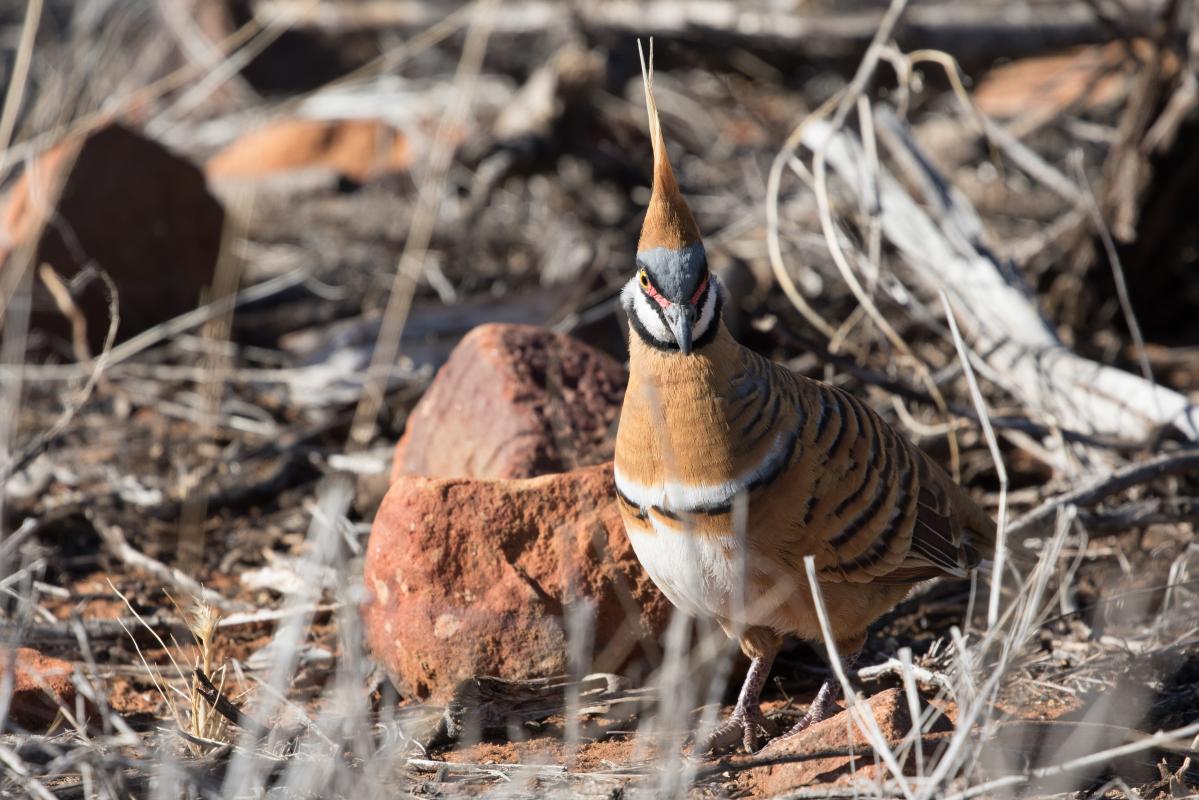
(675, 273)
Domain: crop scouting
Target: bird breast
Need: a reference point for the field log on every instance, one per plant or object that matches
(683, 479)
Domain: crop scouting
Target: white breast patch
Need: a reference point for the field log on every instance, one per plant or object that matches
(694, 572)
(700, 575)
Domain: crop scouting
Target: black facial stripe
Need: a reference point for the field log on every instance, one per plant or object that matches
(710, 333)
(672, 346)
(661, 312)
(646, 336)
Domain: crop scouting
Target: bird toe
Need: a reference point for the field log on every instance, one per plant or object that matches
(817, 712)
(749, 727)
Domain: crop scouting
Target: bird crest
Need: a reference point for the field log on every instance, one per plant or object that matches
(668, 221)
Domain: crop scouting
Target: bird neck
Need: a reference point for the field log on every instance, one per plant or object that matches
(680, 385)
(672, 406)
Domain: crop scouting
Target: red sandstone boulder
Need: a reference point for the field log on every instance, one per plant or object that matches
(514, 401)
(476, 577)
(40, 685)
(127, 205)
(1084, 77)
(357, 148)
(890, 710)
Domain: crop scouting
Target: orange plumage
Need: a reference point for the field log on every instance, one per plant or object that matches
(731, 469)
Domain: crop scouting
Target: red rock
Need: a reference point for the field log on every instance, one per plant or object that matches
(890, 710)
(473, 577)
(1080, 78)
(357, 148)
(514, 401)
(132, 208)
(40, 685)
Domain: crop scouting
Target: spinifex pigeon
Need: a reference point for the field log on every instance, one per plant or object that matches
(730, 469)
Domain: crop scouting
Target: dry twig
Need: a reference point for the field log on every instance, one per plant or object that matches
(1185, 461)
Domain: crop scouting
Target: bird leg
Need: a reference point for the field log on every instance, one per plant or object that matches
(747, 718)
(825, 703)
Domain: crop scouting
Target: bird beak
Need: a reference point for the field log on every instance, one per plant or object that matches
(681, 317)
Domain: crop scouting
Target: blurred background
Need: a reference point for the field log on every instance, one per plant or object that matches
(239, 238)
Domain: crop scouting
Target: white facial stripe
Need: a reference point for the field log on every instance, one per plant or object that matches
(706, 315)
(646, 313)
(683, 498)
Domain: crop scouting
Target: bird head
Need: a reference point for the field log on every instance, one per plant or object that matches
(673, 302)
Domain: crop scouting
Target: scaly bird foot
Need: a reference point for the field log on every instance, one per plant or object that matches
(823, 706)
(748, 724)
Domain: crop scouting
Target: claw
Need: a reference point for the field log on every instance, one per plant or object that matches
(747, 717)
(748, 724)
(823, 706)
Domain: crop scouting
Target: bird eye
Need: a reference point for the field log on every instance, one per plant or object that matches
(643, 279)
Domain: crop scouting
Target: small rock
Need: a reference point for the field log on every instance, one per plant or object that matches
(514, 401)
(132, 208)
(1046, 85)
(1164, 536)
(356, 148)
(476, 577)
(890, 710)
(40, 685)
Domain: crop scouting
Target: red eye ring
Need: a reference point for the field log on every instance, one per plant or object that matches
(643, 279)
(649, 289)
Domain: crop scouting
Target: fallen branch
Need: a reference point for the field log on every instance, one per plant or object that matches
(980, 31)
(907, 391)
(63, 631)
(223, 706)
(459, 768)
(945, 249)
(893, 666)
(1155, 511)
(550, 779)
(284, 474)
(1090, 493)
(114, 538)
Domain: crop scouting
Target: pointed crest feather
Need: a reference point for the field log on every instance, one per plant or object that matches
(668, 221)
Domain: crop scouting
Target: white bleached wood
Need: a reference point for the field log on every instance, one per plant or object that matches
(946, 250)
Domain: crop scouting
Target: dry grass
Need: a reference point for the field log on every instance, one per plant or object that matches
(239, 467)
